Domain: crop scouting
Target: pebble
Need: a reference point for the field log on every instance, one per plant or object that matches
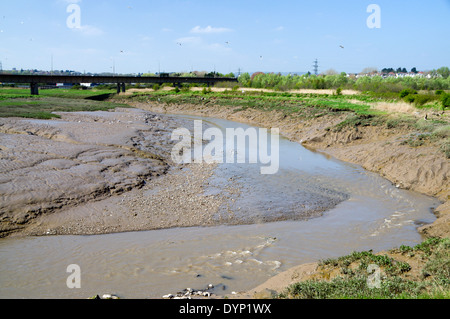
(105, 296)
(188, 293)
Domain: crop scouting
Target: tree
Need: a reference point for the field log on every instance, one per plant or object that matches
(414, 70)
(444, 72)
(244, 79)
(254, 75)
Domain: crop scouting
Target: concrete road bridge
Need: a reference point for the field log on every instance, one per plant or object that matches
(36, 80)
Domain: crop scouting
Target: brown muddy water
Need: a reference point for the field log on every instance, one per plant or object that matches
(332, 208)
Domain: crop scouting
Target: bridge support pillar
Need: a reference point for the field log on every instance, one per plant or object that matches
(34, 89)
(121, 87)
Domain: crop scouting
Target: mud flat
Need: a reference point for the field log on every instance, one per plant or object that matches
(92, 173)
(88, 158)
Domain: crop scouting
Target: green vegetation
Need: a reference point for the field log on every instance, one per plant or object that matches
(376, 83)
(445, 99)
(397, 278)
(19, 102)
(289, 103)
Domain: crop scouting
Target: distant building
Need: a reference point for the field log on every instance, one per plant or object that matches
(64, 85)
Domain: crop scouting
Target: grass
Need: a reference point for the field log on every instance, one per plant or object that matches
(433, 281)
(289, 103)
(19, 103)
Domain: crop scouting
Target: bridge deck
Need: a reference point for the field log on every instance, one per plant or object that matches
(120, 80)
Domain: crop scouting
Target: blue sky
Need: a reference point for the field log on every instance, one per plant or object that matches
(253, 35)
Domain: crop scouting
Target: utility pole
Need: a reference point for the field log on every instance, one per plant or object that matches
(316, 67)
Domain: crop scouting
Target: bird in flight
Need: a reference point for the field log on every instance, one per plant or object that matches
(341, 46)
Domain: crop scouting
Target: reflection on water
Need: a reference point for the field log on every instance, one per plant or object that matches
(363, 212)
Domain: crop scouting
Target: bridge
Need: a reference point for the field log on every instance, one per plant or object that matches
(35, 80)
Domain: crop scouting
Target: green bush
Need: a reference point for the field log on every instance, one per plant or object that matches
(78, 87)
(410, 98)
(422, 99)
(445, 99)
(439, 92)
(404, 93)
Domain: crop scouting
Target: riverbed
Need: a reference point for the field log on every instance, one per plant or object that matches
(315, 207)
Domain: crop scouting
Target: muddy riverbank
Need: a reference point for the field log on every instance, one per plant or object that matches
(92, 173)
(233, 253)
(86, 173)
(377, 149)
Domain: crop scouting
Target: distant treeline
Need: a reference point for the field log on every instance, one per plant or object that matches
(374, 83)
